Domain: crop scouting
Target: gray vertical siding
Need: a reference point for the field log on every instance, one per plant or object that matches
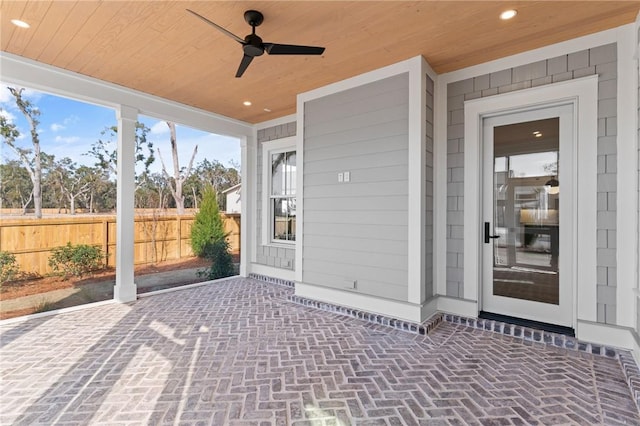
(429, 192)
(357, 231)
(600, 60)
(277, 257)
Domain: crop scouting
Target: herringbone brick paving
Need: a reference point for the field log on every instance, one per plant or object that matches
(238, 353)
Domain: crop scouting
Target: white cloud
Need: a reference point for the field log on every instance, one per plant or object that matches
(7, 115)
(159, 128)
(67, 139)
(55, 127)
(5, 95)
(72, 119)
(32, 95)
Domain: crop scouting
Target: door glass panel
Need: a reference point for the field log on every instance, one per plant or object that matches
(525, 211)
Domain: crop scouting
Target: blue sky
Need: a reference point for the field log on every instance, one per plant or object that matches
(68, 128)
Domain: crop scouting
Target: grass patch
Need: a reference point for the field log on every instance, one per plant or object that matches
(44, 306)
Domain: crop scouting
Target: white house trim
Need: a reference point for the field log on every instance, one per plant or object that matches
(605, 334)
(270, 271)
(125, 288)
(541, 54)
(627, 177)
(277, 145)
(250, 177)
(394, 308)
(39, 76)
(247, 220)
(584, 94)
(417, 151)
(440, 187)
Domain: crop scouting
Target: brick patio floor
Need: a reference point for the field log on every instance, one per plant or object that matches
(237, 352)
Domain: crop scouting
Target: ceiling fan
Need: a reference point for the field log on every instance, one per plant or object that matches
(253, 46)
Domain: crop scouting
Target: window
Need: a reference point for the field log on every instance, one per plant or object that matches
(279, 161)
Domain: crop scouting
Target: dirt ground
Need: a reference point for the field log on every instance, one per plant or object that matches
(15, 289)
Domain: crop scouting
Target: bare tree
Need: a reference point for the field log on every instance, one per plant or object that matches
(176, 183)
(73, 181)
(30, 158)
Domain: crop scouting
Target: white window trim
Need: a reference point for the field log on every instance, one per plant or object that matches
(268, 148)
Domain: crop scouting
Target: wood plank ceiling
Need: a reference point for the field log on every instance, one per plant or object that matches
(158, 48)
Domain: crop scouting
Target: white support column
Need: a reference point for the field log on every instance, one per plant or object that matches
(125, 289)
(247, 208)
(440, 187)
(417, 180)
(627, 178)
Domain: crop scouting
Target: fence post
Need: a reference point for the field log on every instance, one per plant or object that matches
(179, 236)
(105, 240)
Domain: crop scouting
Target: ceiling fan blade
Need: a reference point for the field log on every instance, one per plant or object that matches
(292, 49)
(246, 60)
(218, 27)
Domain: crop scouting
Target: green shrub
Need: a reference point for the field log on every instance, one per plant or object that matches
(207, 226)
(8, 266)
(76, 260)
(221, 260)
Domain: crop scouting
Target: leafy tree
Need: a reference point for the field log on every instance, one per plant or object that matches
(103, 197)
(179, 175)
(152, 191)
(15, 186)
(30, 157)
(215, 174)
(106, 152)
(73, 181)
(221, 260)
(101, 194)
(207, 226)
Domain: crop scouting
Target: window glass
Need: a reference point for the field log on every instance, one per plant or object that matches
(283, 191)
(284, 219)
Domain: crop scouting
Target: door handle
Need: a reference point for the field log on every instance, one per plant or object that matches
(487, 233)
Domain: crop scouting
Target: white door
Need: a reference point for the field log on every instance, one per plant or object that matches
(528, 218)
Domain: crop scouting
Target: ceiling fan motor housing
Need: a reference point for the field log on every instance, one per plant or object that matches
(253, 46)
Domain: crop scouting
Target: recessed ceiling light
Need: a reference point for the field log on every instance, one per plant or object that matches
(537, 134)
(267, 110)
(19, 23)
(508, 14)
(247, 103)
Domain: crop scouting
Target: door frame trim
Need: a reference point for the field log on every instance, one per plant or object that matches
(583, 93)
(560, 313)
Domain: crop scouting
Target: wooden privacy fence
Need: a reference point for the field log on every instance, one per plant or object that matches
(158, 237)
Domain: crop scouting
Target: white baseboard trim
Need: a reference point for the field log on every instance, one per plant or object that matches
(606, 334)
(270, 271)
(429, 308)
(391, 308)
(461, 307)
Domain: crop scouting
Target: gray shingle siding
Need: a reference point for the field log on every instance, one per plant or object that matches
(277, 257)
(601, 60)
